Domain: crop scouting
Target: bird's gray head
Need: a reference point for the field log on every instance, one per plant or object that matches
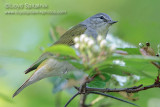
(99, 22)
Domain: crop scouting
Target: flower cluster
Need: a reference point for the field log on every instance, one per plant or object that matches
(92, 50)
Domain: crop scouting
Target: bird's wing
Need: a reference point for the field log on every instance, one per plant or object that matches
(66, 38)
(38, 62)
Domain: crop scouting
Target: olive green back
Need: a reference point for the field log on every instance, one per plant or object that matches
(66, 38)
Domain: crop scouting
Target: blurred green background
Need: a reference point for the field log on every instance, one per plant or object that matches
(21, 37)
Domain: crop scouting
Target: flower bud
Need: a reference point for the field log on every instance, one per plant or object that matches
(86, 39)
(90, 43)
(148, 44)
(103, 43)
(76, 39)
(82, 37)
(141, 45)
(99, 38)
(77, 45)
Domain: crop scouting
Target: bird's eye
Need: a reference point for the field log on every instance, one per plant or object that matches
(101, 17)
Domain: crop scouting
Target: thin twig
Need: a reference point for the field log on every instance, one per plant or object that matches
(71, 99)
(155, 64)
(106, 95)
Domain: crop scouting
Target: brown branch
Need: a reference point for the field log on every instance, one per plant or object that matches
(101, 91)
(113, 90)
(128, 90)
(84, 90)
(83, 100)
(88, 90)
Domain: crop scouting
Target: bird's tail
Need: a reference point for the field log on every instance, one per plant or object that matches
(24, 85)
(36, 76)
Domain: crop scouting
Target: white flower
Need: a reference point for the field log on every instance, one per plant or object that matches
(76, 39)
(119, 62)
(120, 79)
(99, 38)
(136, 77)
(103, 43)
(90, 43)
(76, 45)
(86, 39)
(82, 37)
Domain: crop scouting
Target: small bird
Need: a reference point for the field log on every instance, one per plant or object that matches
(47, 66)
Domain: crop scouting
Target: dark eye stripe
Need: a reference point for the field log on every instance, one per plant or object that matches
(101, 17)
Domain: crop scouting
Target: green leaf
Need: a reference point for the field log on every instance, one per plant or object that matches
(145, 81)
(135, 64)
(77, 64)
(99, 81)
(141, 58)
(96, 84)
(115, 69)
(134, 58)
(142, 68)
(136, 67)
(131, 51)
(62, 50)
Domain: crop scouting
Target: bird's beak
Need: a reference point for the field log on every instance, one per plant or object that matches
(112, 22)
